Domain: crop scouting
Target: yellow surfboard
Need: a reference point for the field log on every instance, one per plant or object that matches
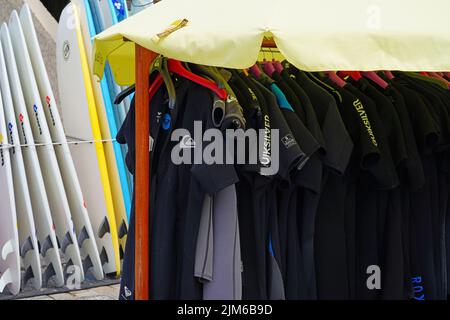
(113, 173)
(82, 121)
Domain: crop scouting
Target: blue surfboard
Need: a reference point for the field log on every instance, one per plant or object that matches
(107, 13)
(119, 12)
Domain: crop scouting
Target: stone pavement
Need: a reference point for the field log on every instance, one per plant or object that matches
(99, 293)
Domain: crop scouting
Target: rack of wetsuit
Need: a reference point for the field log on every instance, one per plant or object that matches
(347, 199)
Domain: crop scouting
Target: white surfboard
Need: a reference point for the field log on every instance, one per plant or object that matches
(39, 201)
(54, 185)
(29, 249)
(85, 234)
(79, 114)
(9, 239)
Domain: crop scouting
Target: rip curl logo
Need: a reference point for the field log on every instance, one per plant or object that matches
(11, 137)
(22, 127)
(49, 106)
(1, 150)
(35, 109)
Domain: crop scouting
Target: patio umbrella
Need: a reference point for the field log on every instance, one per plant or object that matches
(314, 35)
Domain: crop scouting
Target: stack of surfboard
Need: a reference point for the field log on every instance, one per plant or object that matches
(62, 204)
(90, 114)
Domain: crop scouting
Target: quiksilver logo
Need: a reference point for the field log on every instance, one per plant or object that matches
(362, 113)
(265, 157)
(35, 109)
(187, 142)
(22, 126)
(49, 105)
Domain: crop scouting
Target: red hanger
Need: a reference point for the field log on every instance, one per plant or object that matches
(278, 66)
(334, 77)
(439, 77)
(269, 69)
(255, 70)
(376, 79)
(355, 75)
(389, 75)
(155, 86)
(175, 66)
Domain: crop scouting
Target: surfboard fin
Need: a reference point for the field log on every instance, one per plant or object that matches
(7, 249)
(68, 264)
(46, 245)
(5, 279)
(104, 228)
(27, 246)
(87, 263)
(104, 256)
(67, 241)
(82, 236)
(48, 273)
(123, 231)
(28, 275)
(121, 252)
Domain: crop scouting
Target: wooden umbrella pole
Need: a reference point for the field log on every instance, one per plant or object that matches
(143, 60)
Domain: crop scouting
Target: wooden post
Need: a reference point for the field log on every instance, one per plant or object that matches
(143, 60)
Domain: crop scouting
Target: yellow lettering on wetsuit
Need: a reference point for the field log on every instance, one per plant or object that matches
(362, 113)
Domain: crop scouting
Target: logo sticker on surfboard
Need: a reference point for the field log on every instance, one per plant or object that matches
(35, 109)
(120, 9)
(1, 150)
(66, 50)
(49, 105)
(11, 137)
(22, 126)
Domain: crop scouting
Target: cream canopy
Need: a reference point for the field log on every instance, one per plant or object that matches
(314, 35)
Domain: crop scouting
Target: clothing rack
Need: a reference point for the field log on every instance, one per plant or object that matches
(144, 59)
